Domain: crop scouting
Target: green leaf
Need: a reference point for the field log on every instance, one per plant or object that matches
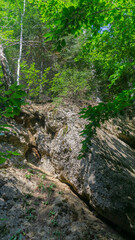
(63, 43)
(2, 160)
(15, 153)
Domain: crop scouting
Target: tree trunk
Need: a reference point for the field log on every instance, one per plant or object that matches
(5, 69)
(21, 39)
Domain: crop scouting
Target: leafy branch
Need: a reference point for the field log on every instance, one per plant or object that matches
(10, 105)
(97, 115)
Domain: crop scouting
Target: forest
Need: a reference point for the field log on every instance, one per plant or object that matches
(82, 50)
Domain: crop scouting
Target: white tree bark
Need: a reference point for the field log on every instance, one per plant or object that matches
(21, 39)
(5, 69)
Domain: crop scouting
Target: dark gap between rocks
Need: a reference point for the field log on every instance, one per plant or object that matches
(128, 140)
(110, 224)
(33, 155)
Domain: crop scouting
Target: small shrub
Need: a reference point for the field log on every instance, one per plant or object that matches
(50, 189)
(28, 176)
(52, 213)
(46, 203)
(41, 186)
(57, 233)
(43, 176)
(54, 222)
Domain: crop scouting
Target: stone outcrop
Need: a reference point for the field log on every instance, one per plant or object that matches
(35, 205)
(106, 179)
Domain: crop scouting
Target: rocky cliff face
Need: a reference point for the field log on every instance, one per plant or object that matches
(49, 137)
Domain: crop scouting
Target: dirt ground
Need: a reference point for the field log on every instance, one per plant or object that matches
(36, 206)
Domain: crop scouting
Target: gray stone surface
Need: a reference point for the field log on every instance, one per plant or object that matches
(24, 214)
(106, 179)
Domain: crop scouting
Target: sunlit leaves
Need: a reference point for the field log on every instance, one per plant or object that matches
(102, 112)
(110, 47)
(70, 83)
(10, 13)
(4, 156)
(10, 104)
(34, 81)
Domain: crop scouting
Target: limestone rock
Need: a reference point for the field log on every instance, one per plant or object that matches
(50, 138)
(26, 212)
(107, 177)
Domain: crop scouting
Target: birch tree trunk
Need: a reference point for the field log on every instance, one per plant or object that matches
(5, 69)
(21, 39)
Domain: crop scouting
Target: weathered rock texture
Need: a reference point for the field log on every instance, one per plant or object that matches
(36, 206)
(106, 179)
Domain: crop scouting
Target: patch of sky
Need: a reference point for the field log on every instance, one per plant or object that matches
(105, 28)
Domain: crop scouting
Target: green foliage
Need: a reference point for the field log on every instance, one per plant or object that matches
(50, 189)
(46, 203)
(51, 213)
(28, 176)
(107, 30)
(10, 105)
(61, 193)
(54, 222)
(10, 13)
(95, 42)
(99, 114)
(31, 75)
(41, 186)
(12, 100)
(30, 171)
(43, 176)
(1, 74)
(7, 155)
(70, 82)
(18, 235)
(31, 214)
(57, 233)
(108, 36)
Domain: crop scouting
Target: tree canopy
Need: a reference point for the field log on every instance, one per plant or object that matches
(108, 34)
(81, 49)
(108, 43)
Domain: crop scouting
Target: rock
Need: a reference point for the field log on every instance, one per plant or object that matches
(2, 203)
(105, 179)
(64, 216)
(14, 140)
(109, 178)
